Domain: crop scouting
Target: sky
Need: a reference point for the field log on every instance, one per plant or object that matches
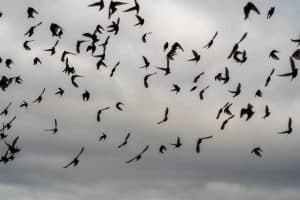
(224, 169)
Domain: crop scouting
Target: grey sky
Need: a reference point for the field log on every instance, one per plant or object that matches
(224, 169)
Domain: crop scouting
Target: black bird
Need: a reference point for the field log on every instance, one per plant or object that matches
(102, 137)
(175, 89)
(237, 91)
(26, 46)
(293, 74)
(73, 77)
(258, 93)
(165, 116)
(52, 50)
(56, 30)
(290, 128)
(226, 121)
(31, 11)
(146, 79)
(199, 141)
(296, 41)
(139, 156)
(9, 62)
(269, 77)
(12, 147)
(202, 92)
(40, 97)
(167, 69)
(99, 4)
(24, 104)
(60, 92)
(267, 112)
(64, 54)
(78, 43)
(247, 111)
(273, 54)
(227, 108)
(144, 39)
(140, 19)
(248, 8)
(193, 88)
(36, 61)
(195, 80)
(99, 113)
(5, 82)
(86, 95)
(5, 111)
(114, 27)
(68, 69)
(125, 141)
(240, 56)
(178, 143)
(270, 12)
(53, 130)
(296, 54)
(118, 106)
(257, 151)
(147, 63)
(114, 69)
(196, 57)
(166, 46)
(211, 42)
(113, 7)
(162, 149)
(9, 124)
(75, 160)
(225, 78)
(30, 31)
(136, 8)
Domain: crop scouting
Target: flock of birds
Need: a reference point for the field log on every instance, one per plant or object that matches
(92, 39)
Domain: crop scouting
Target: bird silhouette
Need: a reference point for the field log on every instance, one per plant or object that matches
(31, 12)
(24, 104)
(114, 27)
(100, 112)
(56, 30)
(201, 94)
(31, 30)
(146, 63)
(99, 4)
(294, 71)
(237, 91)
(199, 141)
(146, 79)
(225, 122)
(139, 156)
(53, 130)
(290, 128)
(211, 42)
(60, 92)
(40, 97)
(178, 143)
(102, 137)
(64, 54)
(5, 111)
(175, 89)
(247, 111)
(270, 12)
(296, 54)
(8, 125)
(36, 61)
(162, 149)
(196, 79)
(273, 54)
(257, 151)
(118, 106)
(248, 8)
(75, 160)
(73, 78)
(78, 44)
(140, 19)
(86, 95)
(52, 50)
(258, 93)
(114, 69)
(267, 112)
(269, 78)
(68, 69)
(26, 45)
(144, 37)
(165, 116)
(9, 62)
(136, 8)
(113, 7)
(240, 56)
(125, 141)
(12, 147)
(196, 57)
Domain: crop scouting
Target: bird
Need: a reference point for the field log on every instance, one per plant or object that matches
(146, 63)
(36, 61)
(99, 4)
(99, 113)
(237, 91)
(113, 7)
(26, 46)
(269, 78)
(73, 77)
(78, 44)
(248, 8)
(140, 19)
(118, 106)
(178, 143)
(225, 78)
(12, 147)
(40, 97)
(31, 30)
(64, 54)
(258, 93)
(144, 36)
(199, 141)
(175, 89)
(227, 108)
(86, 95)
(102, 137)
(114, 69)
(224, 123)
(31, 11)
(162, 149)
(242, 59)
(257, 151)
(68, 69)
(52, 50)
(139, 156)
(193, 88)
(273, 54)
(296, 54)
(196, 57)
(146, 79)
(53, 130)
(294, 71)
(267, 112)
(114, 27)
(125, 141)
(202, 92)
(56, 30)
(166, 114)
(211, 42)
(9, 62)
(24, 104)
(290, 128)
(195, 80)
(60, 92)
(270, 12)
(75, 160)
(296, 41)
(5, 111)
(136, 8)
(8, 125)
(247, 111)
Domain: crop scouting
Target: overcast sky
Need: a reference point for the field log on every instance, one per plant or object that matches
(225, 168)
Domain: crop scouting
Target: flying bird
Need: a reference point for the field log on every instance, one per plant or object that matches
(26, 45)
(31, 30)
(201, 94)
(135, 8)
(162, 149)
(5, 111)
(199, 141)
(178, 143)
(237, 91)
(75, 160)
(211, 42)
(139, 156)
(146, 63)
(273, 54)
(146, 79)
(290, 128)
(114, 69)
(196, 57)
(247, 111)
(86, 95)
(125, 141)
(165, 116)
(257, 151)
(31, 12)
(294, 71)
(102, 137)
(100, 112)
(267, 112)
(269, 78)
(175, 89)
(248, 8)
(60, 92)
(73, 77)
(99, 4)
(144, 37)
(53, 130)
(270, 12)
(118, 106)
(40, 97)
(225, 122)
